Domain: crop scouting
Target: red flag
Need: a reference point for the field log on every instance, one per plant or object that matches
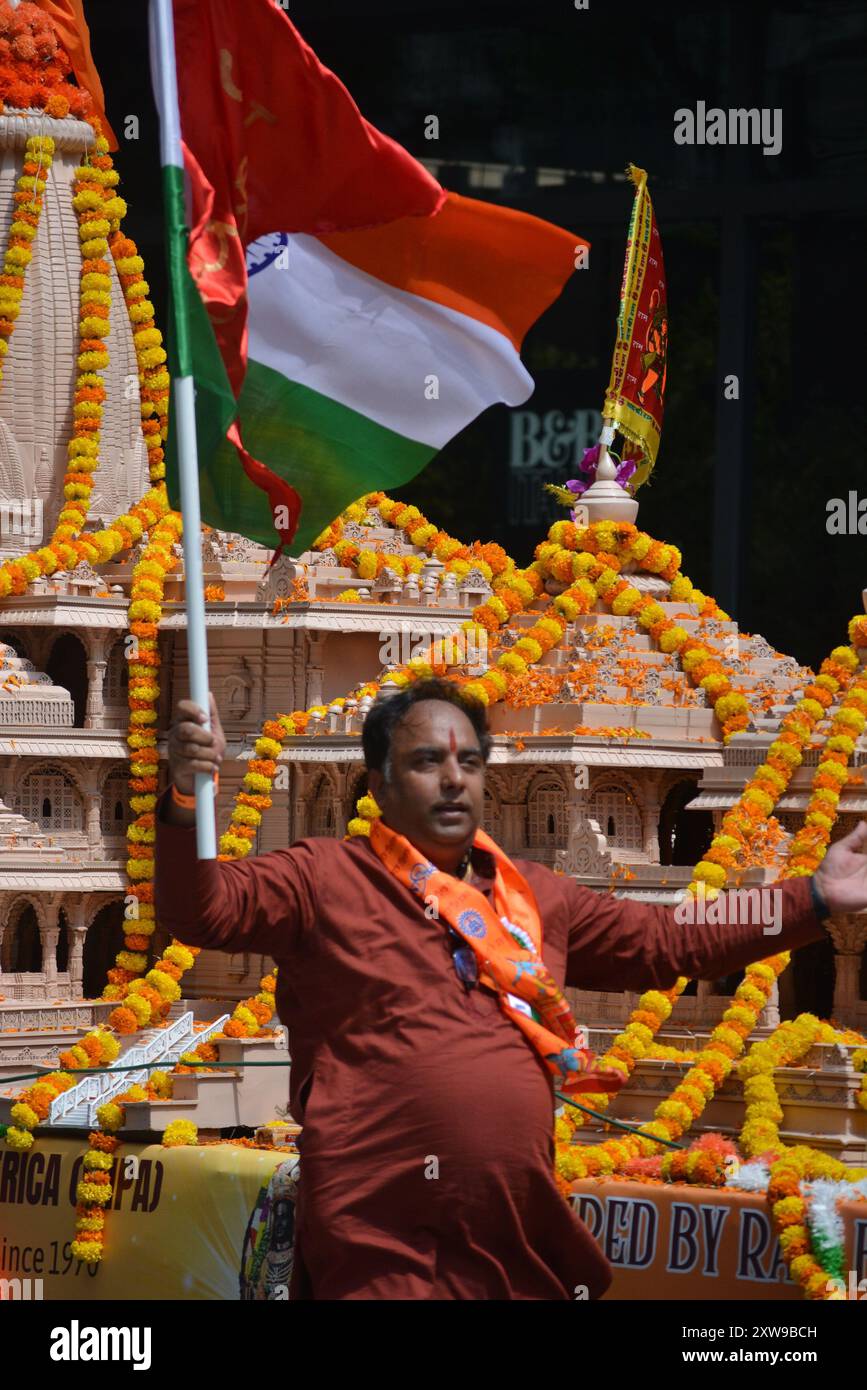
(636, 392)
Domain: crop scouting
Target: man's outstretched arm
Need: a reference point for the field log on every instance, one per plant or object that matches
(617, 944)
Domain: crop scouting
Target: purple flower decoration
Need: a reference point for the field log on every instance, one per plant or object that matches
(588, 465)
(625, 471)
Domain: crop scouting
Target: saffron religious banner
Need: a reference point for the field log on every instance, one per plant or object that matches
(636, 391)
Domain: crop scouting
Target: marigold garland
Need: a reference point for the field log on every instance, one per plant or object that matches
(99, 212)
(27, 201)
(95, 1049)
(787, 1044)
(566, 555)
(144, 613)
(252, 1015)
(514, 591)
(94, 205)
(93, 1193)
(35, 69)
(756, 802)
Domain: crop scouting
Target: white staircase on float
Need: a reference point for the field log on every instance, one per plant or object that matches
(78, 1105)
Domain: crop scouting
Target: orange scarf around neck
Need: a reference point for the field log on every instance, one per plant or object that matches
(510, 964)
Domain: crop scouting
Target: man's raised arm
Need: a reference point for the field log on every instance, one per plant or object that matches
(266, 904)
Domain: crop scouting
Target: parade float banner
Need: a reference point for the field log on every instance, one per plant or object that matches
(699, 1243)
(217, 1222)
(341, 313)
(635, 397)
(203, 1222)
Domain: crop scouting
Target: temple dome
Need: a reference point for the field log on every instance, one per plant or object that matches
(36, 392)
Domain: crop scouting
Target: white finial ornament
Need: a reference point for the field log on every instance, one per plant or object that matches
(605, 499)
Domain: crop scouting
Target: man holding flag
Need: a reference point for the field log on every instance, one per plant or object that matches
(421, 972)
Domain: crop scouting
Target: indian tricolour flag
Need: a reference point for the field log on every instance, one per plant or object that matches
(342, 315)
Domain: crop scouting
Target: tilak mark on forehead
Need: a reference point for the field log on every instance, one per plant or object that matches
(453, 743)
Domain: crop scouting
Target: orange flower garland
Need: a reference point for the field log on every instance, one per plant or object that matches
(94, 205)
(95, 1049)
(514, 589)
(253, 1014)
(810, 845)
(93, 1194)
(566, 554)
(34, 68)
(150, 354)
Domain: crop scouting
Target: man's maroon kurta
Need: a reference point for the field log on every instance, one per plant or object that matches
(427, 1148)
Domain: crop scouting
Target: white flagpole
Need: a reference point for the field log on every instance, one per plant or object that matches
(184, 405)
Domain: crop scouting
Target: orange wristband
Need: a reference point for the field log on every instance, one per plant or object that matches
(189, 802)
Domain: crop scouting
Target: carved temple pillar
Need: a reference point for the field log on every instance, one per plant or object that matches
(76, 961)
(93, 803)
(77, 933)
(94, 711)
(97, 661)
(849, 935)
(315, 673)
(49, 957)
(770, 1015)
(650, 825)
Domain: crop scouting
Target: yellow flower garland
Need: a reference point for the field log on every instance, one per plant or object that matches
(93, 204)
(27, 200)
(68, 547)
(763, 1113)
(565, 554)
(144, 612)
(760, 1135)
